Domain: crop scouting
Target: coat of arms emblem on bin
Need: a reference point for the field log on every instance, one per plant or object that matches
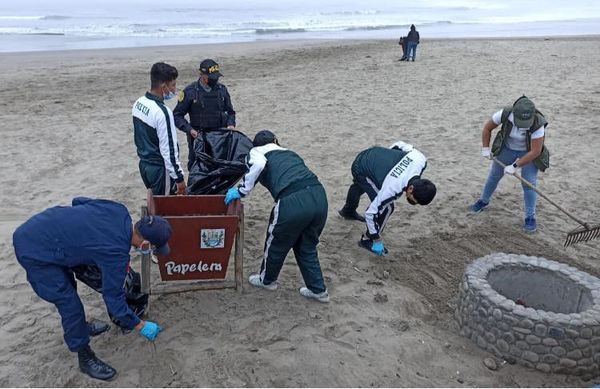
(212, 238)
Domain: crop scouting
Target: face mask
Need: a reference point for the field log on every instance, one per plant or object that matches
(212, 82)
(142, 251)
(169, 95)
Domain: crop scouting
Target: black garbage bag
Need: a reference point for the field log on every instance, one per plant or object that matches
(220, 161)
(136, 300)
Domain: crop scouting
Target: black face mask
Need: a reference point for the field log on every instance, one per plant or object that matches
(212, 82)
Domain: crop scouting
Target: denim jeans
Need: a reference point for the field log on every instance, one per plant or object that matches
(412, 48)
(528, 172)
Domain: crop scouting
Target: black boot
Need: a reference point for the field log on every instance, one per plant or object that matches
(94, 367)
(97, 327)
(351, 215)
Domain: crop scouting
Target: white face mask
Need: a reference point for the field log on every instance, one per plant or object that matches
(170, 95)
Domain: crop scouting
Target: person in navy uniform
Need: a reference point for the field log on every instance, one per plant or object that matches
(90, 232)
(208, 105)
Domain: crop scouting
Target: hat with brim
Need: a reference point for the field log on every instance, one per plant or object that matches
(157, 231)
(162, 250)
(210, 68)
(523, 113)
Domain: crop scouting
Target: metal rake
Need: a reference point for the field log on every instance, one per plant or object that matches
(585, 233)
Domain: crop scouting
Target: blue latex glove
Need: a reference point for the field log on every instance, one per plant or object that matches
(377, 248)
(150, 330)
(232, 194)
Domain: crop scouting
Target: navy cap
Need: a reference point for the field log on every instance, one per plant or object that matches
(263, 137)
(157, 231)
(210, 68)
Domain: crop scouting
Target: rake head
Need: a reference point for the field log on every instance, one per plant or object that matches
(582, 234)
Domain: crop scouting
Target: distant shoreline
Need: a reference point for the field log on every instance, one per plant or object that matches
(269, 45)
(40, 42)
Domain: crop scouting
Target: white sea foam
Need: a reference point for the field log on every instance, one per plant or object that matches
(123, 23)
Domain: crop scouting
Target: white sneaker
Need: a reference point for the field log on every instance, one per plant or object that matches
(255, 280)
(322, 297)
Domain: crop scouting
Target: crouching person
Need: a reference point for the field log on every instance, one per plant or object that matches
(90, 232)
(385, 174)
(296, 220)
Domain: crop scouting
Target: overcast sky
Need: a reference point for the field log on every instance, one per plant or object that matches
(567, 8)
(65, 5)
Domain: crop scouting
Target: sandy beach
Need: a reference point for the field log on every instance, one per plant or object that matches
(67, 131)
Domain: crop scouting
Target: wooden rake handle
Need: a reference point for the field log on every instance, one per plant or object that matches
(529, 184)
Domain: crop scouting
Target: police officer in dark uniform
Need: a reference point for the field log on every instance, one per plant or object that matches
(91, 232)
(208, 104)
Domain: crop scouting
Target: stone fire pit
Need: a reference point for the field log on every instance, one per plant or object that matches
(538, 313)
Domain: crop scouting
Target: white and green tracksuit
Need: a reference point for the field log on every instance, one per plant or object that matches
(384, 175)
(299, 214)
(155, 137)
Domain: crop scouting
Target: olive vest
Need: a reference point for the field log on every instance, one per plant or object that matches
(542, 162)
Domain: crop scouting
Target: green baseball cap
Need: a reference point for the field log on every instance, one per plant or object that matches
(523, 112)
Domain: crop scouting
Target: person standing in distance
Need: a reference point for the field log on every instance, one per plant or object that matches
(155, 134)
(208, 105)
(412, 41)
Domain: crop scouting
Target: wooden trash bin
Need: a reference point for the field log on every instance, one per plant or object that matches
(204, 232)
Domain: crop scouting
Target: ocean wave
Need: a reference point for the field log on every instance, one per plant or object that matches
(55, 17)
(31, 33)
(266, 31)
(351, 13)
(376, 28)
(9, 17)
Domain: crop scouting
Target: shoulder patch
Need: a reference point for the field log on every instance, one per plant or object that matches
(181, 96)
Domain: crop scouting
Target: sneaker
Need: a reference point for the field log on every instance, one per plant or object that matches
(255, 280)
(479, 206)
(322, 297)
(530, 225)
(351, 215)
(366, 244)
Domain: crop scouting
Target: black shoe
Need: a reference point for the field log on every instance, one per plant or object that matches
(97, 327)
(94, 367)
(352, 215)
(367, 243)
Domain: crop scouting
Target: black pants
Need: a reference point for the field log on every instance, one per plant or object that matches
(191, 153)
(155, 177)
(361, 183)
(296, 222)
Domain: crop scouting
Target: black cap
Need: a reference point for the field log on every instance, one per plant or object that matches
(263, 137)
(157, 231)
(210, 68)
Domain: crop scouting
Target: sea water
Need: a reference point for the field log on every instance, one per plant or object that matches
(28, 25)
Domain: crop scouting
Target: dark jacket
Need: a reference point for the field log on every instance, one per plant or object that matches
(90, 232)
(194, 99)
(413, 36)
